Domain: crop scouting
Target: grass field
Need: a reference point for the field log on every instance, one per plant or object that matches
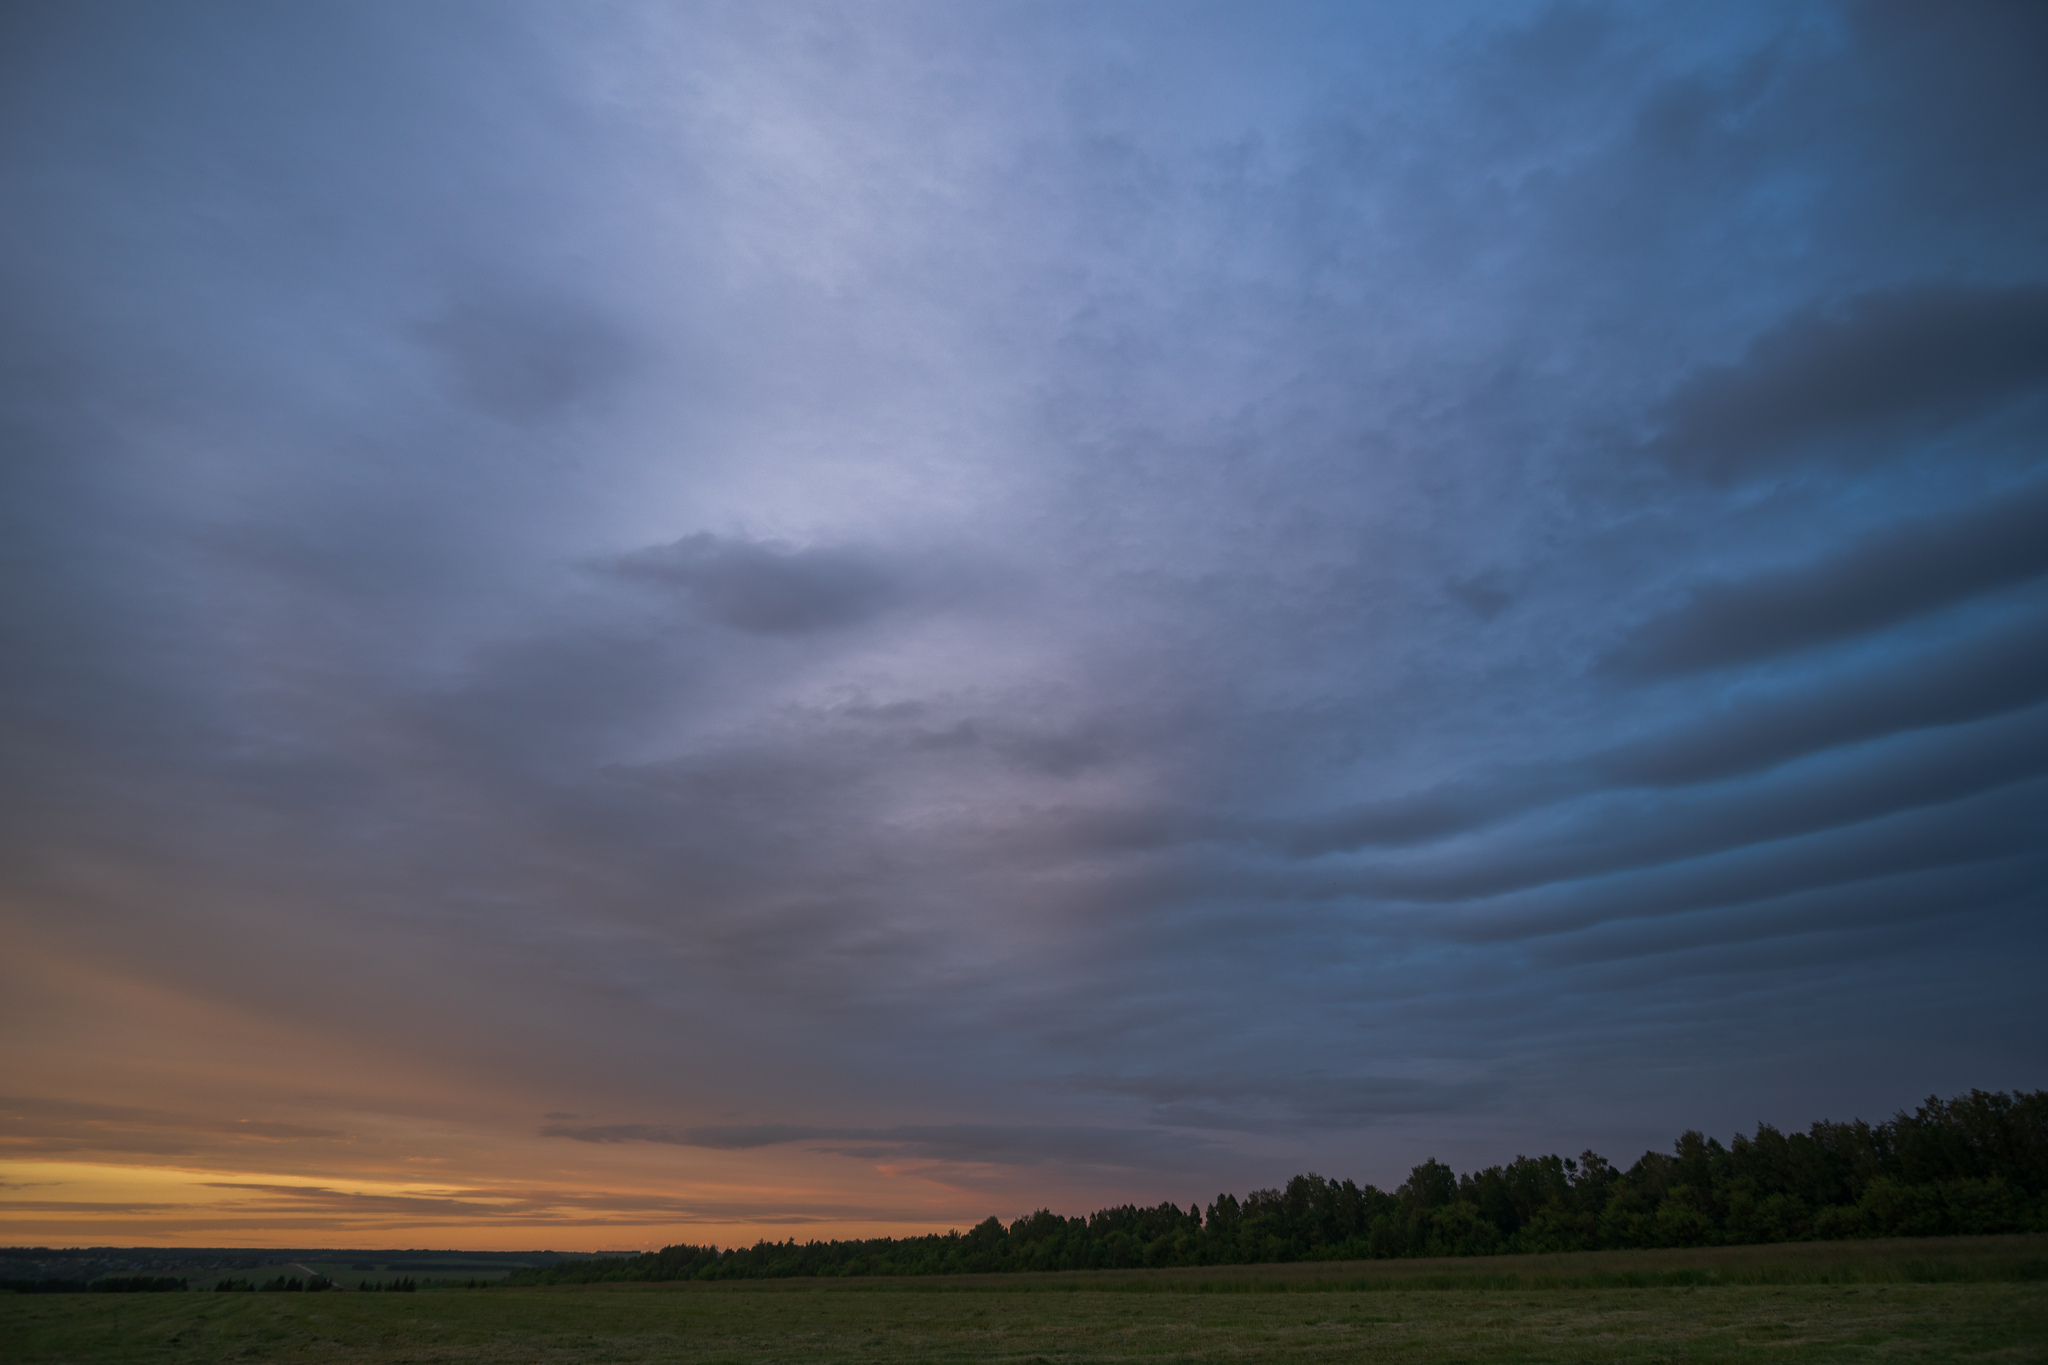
(1980, 1299)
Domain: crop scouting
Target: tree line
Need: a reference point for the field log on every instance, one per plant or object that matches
(1974, 1164)
(112, 1284)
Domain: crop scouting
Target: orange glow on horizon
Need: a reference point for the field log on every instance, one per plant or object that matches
(84, 1204)
(141, 1112)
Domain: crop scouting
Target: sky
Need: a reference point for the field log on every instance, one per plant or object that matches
(646, 623)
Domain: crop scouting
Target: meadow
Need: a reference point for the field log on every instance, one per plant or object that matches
(1955, 1299)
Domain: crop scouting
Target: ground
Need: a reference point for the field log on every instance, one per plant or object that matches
(1975, 1300)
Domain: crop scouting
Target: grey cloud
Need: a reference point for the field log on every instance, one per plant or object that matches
(1833, 383)
(1963, 95)
(555, 698)
(1894, 575)
(1775, 962)
(961, 734)
(1130, 1148)
(1057, 752)
(718, 1138)
(1621, 832)
(766, 588)
(50, 1127)
(526, 1204)
(1985, 826)
(1283, 1100)
(1484, 595)
(1995, 673)
(524, 358)
(958, 1142)
(1884, 900)
(1422, 816)
(1988, 675)
(296, 1196)
(1061, 755)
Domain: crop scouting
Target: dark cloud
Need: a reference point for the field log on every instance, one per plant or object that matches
(1891, 576)
(1983, 828)
(1282, 1101)
(1766, 852)
(1985, 675)
(1126, 1148)
(1994, 673)
(766, 588)
(1844, 384)
(1853, 909)
(1951, 100)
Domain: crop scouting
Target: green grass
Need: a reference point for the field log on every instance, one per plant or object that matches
(1960, 1300)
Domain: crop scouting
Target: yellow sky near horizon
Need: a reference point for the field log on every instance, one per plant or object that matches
(51, 1203)
(137, 1111)
(381, 1180)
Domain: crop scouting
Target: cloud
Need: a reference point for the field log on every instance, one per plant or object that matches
(1987, 674)
(36, 1126)
(1625, 831)
(1837, 385)
(967, 1143)
(767, 588)
(1894, 575)
(1284, 1101)
(86, 1206)
(1985, 828)
(1854, 909)
(296, 1198)
(524, 358)
(1995, 672)
(1955, 93)
(1484, 595)
(1421, 817)
(527, 1204)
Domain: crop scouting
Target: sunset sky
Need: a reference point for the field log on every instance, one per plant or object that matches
(634, 623)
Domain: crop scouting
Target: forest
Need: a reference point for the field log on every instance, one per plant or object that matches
(1974, 1164)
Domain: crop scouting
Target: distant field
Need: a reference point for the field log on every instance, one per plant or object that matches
(424, 1271)
(1946, 1300)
